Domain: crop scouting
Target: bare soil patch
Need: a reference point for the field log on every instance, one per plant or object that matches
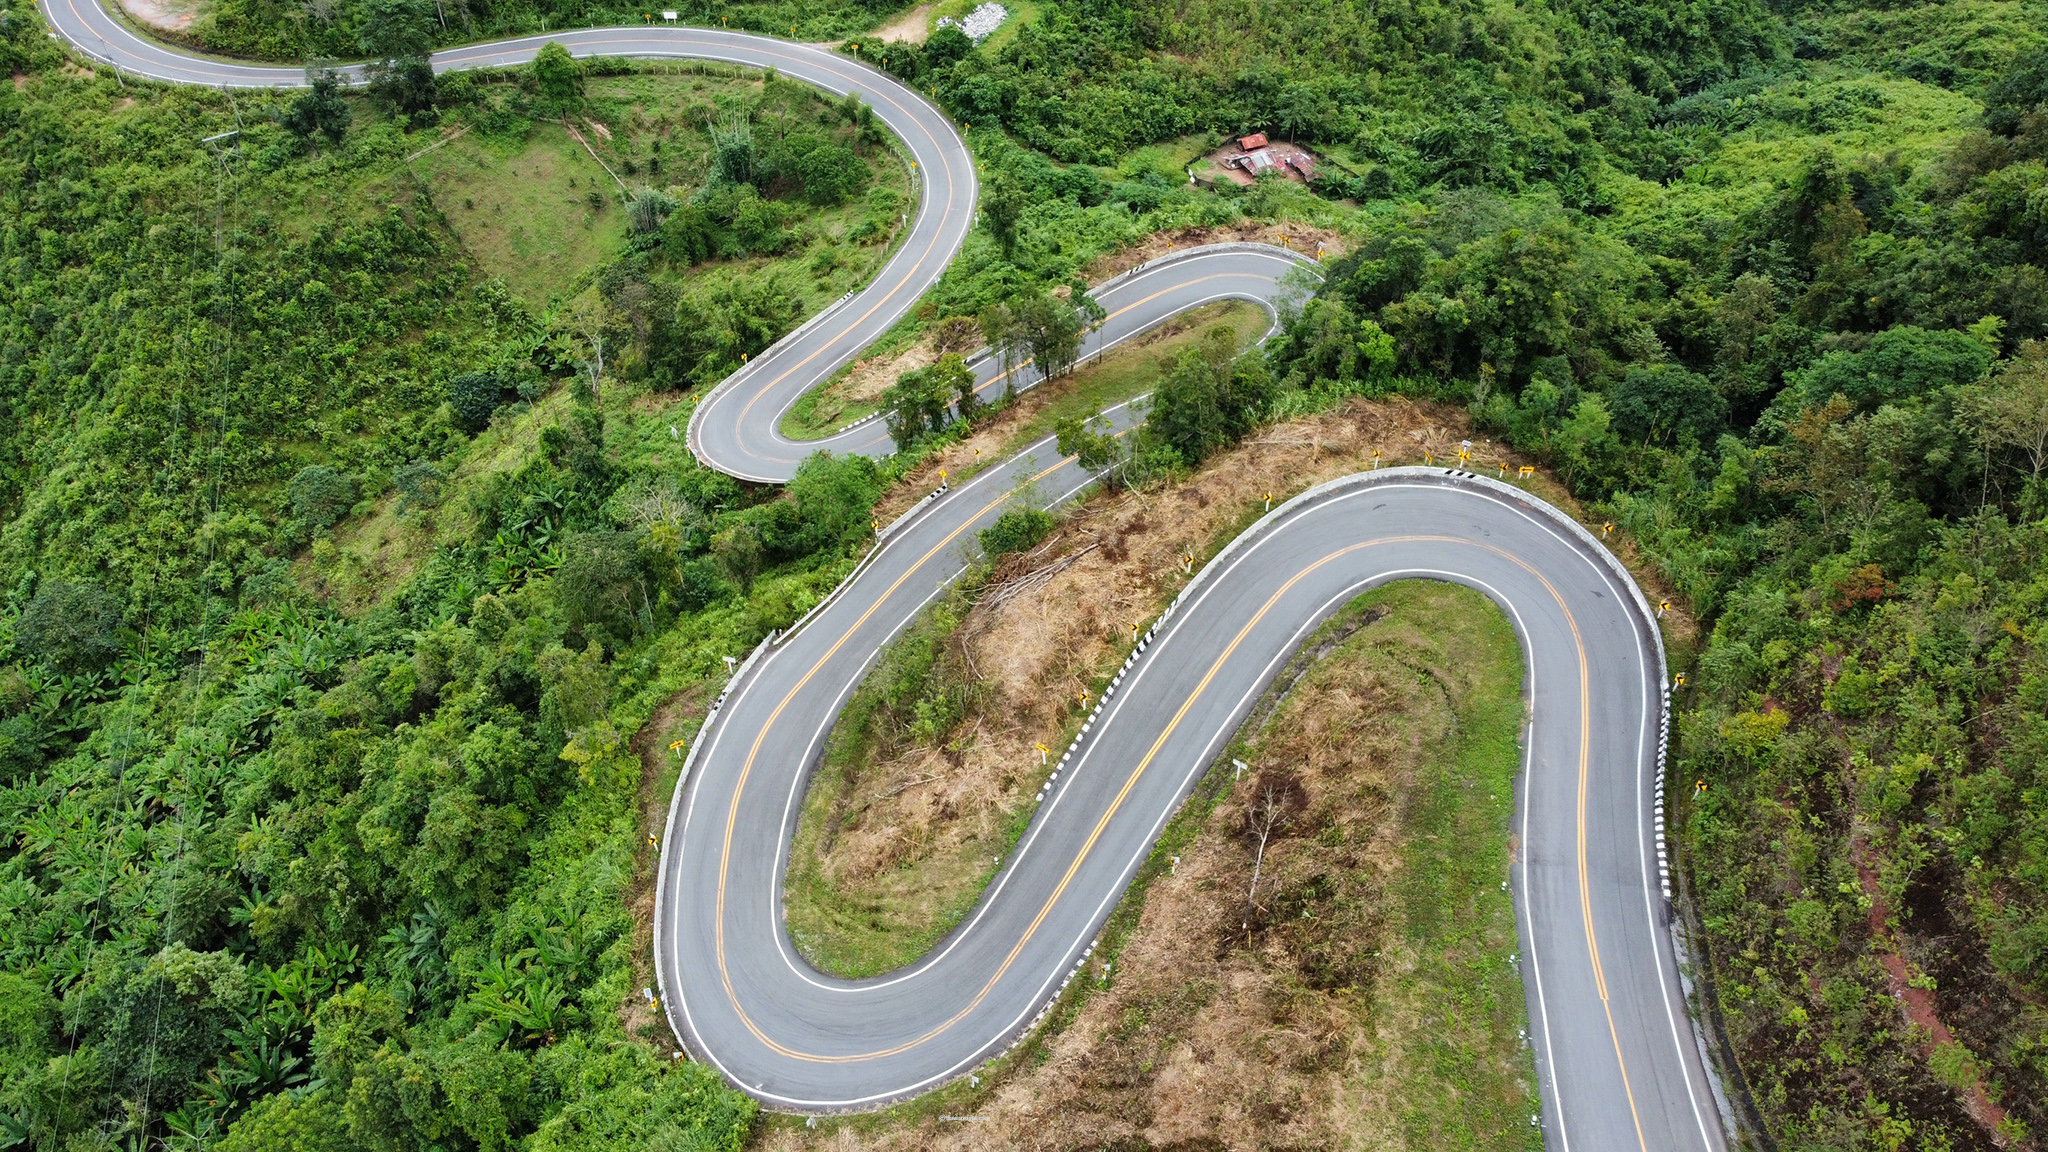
(910, 28)
(167, 15)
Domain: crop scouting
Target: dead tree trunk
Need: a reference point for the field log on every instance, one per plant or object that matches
(1266, 813)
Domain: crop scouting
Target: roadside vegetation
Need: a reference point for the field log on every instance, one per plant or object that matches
(343, 571)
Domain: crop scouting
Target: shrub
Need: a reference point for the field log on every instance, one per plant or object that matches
(71, 625)
(698, 585)
(474, 396)
(1015, 530)
(419, 485)
(835, 500)
(321, 495)
(557, 80)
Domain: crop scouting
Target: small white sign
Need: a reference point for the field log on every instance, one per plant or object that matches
(669, 16)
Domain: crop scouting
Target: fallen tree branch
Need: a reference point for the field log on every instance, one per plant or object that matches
(907, 785)
(1036, 578)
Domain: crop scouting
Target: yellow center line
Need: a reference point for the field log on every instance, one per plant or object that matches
(1585, 885)
(1073, 868)
(732, 812)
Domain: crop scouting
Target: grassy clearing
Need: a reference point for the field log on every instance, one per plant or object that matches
(1448, 1069)
(1133, 369)
(523, 205)
(522, 208)
(1168, 157)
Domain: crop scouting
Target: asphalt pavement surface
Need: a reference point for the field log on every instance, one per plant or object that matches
(1616, 1052)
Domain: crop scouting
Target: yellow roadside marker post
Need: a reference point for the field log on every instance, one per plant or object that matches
(1043, 751)
(1607, 529)
(1503, 471)
(1526, 471)
(651, 839)
(1375, 458)
(1134, 633)
(1663, 606)
(1269, 501)
(1428, 457)
(1084, 697)
(1681, 680)
(875, 523)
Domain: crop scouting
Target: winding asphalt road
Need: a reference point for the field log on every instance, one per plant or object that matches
(1617, 1057)
(736, 428)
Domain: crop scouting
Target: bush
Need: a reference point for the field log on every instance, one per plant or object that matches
(557, 80)
(698, 585)
(1089, 441)
(831, 174)
(474, 396)
(1208, 401)
(73, 626)
(321, 495)
(835, 500)
(1015, 530)
(603, 587)
(419, 485)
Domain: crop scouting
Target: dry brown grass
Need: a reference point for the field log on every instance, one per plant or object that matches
(915, 836)
(1291, 1021)
(676, 717)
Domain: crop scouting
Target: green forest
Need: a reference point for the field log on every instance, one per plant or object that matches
(346, 586)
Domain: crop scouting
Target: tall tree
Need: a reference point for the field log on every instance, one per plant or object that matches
(320, 108)
(1003, 201)
(557, 80)
(398, 36)
(2010, 410)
